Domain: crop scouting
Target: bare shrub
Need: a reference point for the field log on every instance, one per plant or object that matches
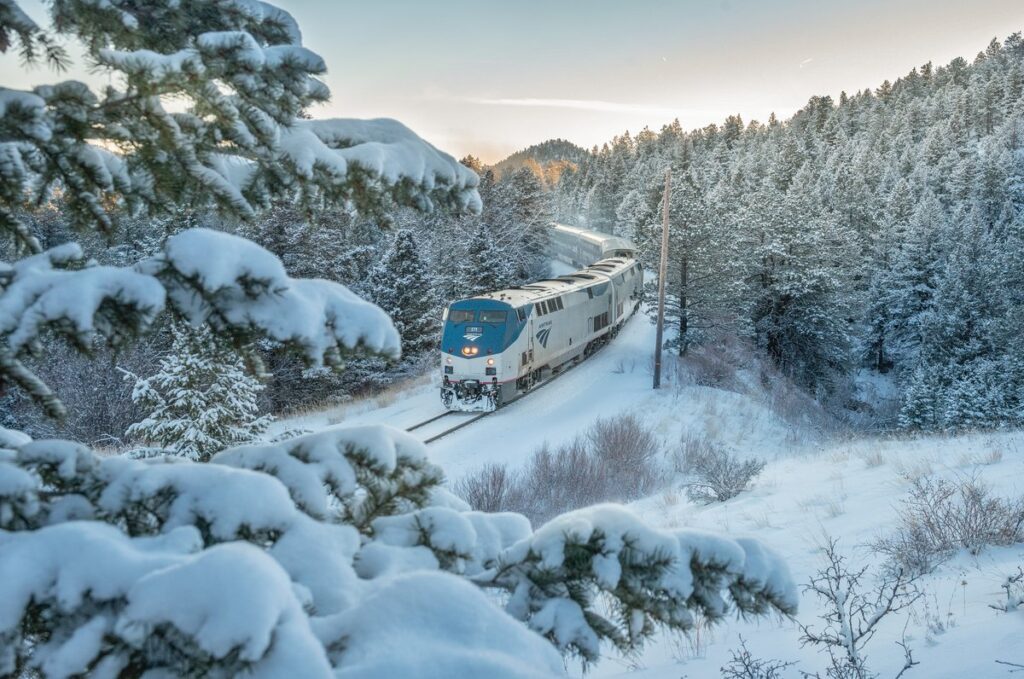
(873, 459)
(492, 489)
(940, 517)
(565, 478)
(628, 450)
(718, 475)
(712, 365)
(1013, 587)
(851, 615)
(743, 665)
(615, 460)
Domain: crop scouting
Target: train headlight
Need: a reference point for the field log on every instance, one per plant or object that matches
(470, 351)
(490, 361)
(448, 360)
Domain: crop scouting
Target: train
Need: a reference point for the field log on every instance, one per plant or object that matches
(497, 346)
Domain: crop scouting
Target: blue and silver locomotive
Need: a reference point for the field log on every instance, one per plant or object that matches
(497, 346)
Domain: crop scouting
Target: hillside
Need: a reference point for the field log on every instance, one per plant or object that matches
(548, 160)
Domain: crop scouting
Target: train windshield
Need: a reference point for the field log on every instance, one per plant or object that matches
(492, 316)
(461, 316)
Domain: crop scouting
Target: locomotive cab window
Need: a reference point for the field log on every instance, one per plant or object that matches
(521, 313)
(491, 316)
(461, 316)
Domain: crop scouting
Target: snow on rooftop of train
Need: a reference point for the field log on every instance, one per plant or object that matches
(599, 272)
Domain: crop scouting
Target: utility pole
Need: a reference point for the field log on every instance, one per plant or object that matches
(662, 269)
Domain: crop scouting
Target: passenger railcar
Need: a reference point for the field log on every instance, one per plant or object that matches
(581, 247)
(497, 346)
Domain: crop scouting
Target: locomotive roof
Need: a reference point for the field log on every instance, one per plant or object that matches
(599, 272)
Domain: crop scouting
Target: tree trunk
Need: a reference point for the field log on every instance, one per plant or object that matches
(684, 340)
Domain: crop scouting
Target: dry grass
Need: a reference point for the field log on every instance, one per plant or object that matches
(873, 458)
(372, 400)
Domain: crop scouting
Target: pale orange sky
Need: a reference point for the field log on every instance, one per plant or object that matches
(489, 78)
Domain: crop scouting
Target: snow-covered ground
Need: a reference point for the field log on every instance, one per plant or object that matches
(812, 489)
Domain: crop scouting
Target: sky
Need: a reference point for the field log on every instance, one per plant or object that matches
(489, 78)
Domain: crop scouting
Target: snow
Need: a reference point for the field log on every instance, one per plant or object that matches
(429, 625)
(153, 64)
(239, 602)
(11, 439)
(260, 11)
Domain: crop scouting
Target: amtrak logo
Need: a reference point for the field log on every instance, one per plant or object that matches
(472, 336)
(543, 335)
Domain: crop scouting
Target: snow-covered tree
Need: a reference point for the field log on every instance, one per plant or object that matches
(402, 288)
(237, 137)
(199, 401)
(484, 267)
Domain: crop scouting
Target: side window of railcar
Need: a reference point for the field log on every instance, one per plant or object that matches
(460, 316)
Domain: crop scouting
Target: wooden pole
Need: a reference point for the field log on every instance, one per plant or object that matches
(662, 272)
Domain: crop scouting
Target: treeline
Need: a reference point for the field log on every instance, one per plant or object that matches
(878, 234)
(410, 263)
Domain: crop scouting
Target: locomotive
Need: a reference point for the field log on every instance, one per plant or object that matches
(497, 346)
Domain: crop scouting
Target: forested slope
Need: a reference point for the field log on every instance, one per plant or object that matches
(879, 231)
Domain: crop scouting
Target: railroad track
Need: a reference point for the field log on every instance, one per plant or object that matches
(474, 417)
(470, 418)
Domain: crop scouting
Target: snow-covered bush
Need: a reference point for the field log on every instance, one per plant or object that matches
(716, 474)
(199, 401)
(940, 517)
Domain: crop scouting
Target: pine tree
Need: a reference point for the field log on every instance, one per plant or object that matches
(200, 401)
(403, 289)
(484, 268)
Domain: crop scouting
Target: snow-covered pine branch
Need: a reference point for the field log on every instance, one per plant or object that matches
(600, 575)
(351, 475)
(236, 287)
(101, 603)
(358, 522)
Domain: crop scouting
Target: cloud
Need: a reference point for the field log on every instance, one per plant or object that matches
(587, 105)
